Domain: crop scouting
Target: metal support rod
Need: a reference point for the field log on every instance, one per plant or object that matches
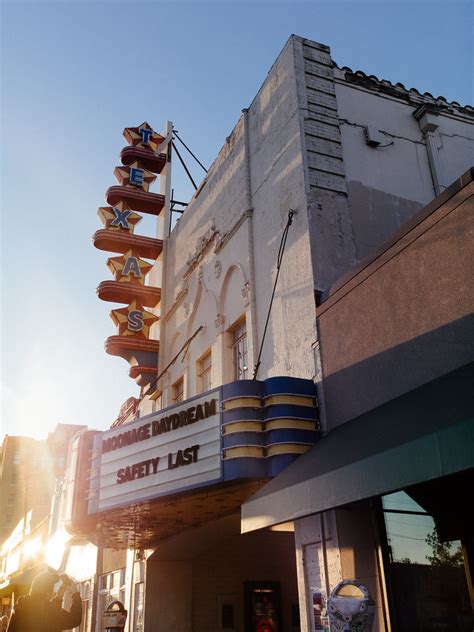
(195, 158)
(164, 224)
(164, 229)
(186, 344)
(184, 166)
(166, 141)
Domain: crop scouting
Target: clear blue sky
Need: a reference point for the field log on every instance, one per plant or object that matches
(74, 74)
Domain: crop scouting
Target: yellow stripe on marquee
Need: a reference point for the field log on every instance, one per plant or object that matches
(287, 448)
(243, 451)
(291, 424)
(242, 402)
(298, 400)
(242, 426)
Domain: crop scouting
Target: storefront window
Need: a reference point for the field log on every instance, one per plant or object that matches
(138, 607)
(85, 592)
(111, 588)
(426, 575)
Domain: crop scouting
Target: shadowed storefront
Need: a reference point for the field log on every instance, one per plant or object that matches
(386, 492)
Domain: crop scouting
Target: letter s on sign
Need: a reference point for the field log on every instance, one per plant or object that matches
(135, 320)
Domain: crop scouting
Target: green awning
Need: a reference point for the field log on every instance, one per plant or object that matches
(425, 434)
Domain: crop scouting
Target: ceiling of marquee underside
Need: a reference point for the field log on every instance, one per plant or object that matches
(144, 525)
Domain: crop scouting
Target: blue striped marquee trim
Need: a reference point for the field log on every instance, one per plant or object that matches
(243, 426)
(236, 452)
(291, 435)
(295, 424)
(266, 425)
(299, 400)
(284, 411)
(243, 438)
(242, 402)
(287, 448)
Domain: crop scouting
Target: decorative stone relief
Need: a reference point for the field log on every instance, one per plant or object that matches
(220, 241)
(220, 322)
(186, 309)
(201, 247)
(217, 268)
(246, 294)
(178, 298)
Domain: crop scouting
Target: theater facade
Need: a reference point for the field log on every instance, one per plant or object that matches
(226, 320)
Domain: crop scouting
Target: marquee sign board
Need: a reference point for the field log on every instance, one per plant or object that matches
(244, 430)
(170, 451)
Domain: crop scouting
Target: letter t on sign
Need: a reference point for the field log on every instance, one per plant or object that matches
(146, 133)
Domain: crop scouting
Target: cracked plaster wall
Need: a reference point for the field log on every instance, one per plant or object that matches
(359, 195)
(388, 184)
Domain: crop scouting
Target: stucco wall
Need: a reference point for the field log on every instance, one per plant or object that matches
(221, 257)
(277, 185)
(405, 318)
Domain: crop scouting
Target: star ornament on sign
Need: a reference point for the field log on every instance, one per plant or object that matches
(143, 136)
(119, 216)
(134, 175)
(129, 268)
(133, 320)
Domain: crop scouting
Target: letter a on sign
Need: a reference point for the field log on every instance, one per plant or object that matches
(131, 267)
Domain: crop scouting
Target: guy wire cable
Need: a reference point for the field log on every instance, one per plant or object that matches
(281, 250)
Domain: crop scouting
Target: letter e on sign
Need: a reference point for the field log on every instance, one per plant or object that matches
(136, 176)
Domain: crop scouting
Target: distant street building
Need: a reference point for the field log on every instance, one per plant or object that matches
(20, 459)
(31, 471)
